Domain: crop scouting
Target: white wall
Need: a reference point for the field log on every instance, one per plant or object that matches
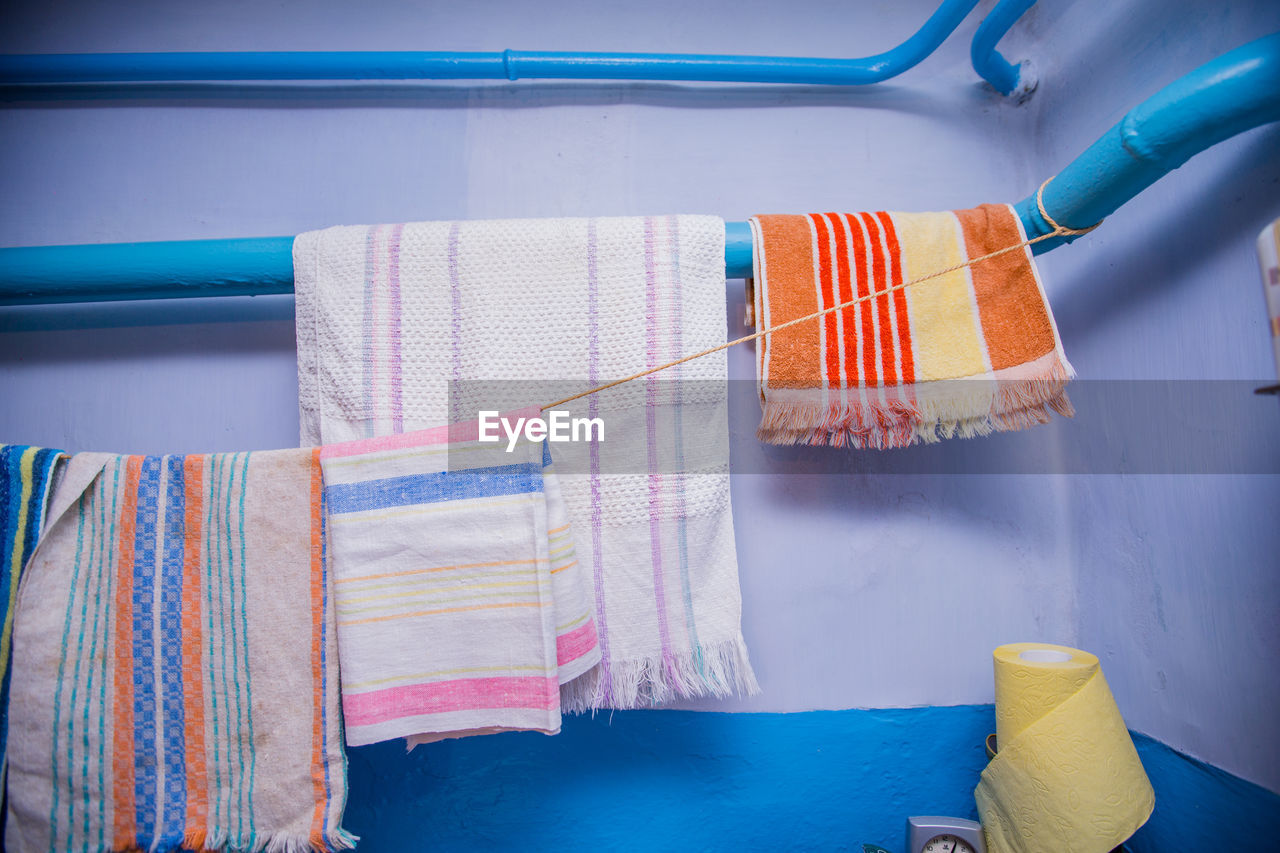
(1177, 584)
(860, 590)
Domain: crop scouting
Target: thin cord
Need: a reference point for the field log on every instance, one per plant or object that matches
(1044, 214)
(1059, 230)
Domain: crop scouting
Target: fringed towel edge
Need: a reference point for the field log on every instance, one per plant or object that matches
(219, 841)
(897, 416)
(719, 670)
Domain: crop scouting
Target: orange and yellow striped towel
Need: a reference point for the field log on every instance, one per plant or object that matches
(966, 353)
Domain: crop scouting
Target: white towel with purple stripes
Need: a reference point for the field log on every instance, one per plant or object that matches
(404, 327)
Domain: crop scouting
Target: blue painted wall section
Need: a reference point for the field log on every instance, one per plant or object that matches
(676, 780)
(681, 780)
(1199, 807)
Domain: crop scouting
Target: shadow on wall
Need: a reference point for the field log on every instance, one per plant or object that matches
(479, 94)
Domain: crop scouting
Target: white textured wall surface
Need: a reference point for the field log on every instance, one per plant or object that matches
(1177, 577)
(860, 589)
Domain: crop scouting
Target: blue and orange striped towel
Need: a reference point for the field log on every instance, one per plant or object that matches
(175, 672)
(25, 476)
(461, 604)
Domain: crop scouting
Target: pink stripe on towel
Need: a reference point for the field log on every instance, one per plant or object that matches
(463, 694)
(576, 643)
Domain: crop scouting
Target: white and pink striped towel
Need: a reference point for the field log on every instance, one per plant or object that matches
(397, 323)
(460, 601)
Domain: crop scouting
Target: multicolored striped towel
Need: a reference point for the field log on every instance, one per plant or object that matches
(462, 606)
(175, 676)
(966, 353)
(399, 324)
(25, 476)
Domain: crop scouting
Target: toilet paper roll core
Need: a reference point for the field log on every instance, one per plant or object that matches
(1044, 656)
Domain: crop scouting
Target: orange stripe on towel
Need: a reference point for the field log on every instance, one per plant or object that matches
(795, 359)
(1014, 321)
(125, 831)
(844, 293)
(868, 375)
(883, 307)
(317, 633)
(826, 298)
(193, 672)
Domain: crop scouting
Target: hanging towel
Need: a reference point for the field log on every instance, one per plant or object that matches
(175, 676)
(461, 603)
(396, 324)
(967, 353)
(26, 474)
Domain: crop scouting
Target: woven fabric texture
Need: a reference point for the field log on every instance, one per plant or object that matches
(462, 606)
(406, 327)
(966, 353)
(175, 677)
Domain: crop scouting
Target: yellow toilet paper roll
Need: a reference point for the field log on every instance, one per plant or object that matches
(1066, 777)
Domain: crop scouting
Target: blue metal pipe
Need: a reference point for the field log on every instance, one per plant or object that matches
(124, 68)
(1228, 95)
(108, 272)
(253, 266)
(1238, 91)
(987, 61)
(738, 250)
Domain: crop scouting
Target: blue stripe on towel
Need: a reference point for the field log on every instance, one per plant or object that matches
(324, 667)
(16, 545)
(244, 644)
(434, 488)
(144, 686)
(175, 769)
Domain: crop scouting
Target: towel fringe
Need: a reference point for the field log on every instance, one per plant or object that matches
(928, 412)
(215, 839)
(218, 840)
(718, 670)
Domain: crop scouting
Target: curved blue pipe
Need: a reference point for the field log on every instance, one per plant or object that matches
(1228, 95)
(986, 60)
(1233, 93)
(124, 68)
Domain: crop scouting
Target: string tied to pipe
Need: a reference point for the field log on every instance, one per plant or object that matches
(1057, 230)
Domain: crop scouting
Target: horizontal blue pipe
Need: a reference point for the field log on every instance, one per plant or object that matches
(109, 272)
(987, 61)
(738, 250)
(254, 266)
(1231, 94)
(55, 69)
(1228, 95)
